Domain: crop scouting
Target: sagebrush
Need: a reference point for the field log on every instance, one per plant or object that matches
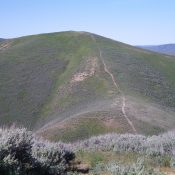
(21, 152)
(24, 153)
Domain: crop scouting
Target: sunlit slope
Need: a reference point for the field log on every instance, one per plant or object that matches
(141, 72)
(146, 81)
(62, 84)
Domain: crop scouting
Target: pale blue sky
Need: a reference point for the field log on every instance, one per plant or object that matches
(135, 22)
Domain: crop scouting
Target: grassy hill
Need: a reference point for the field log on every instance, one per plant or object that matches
(72, 85)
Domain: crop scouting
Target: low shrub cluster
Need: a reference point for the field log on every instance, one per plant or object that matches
(116, 168)
(22, 153)
(163, 144)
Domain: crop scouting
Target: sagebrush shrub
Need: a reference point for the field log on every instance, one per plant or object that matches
(163, 144)
(22, 153)
(53, 157)
(16, 150)
(116, 168)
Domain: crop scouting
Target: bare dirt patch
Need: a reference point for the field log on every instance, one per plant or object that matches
(90, 69)
(168, 171)
(5, 45)
(111, 123)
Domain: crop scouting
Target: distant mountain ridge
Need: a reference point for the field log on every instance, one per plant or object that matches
(165, 48)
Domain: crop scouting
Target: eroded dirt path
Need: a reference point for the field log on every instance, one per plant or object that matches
(117, 87)
(5, 45)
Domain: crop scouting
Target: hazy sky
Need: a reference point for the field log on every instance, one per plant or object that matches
(130, 21)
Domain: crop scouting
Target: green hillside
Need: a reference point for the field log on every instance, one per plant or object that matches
(72, 85)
